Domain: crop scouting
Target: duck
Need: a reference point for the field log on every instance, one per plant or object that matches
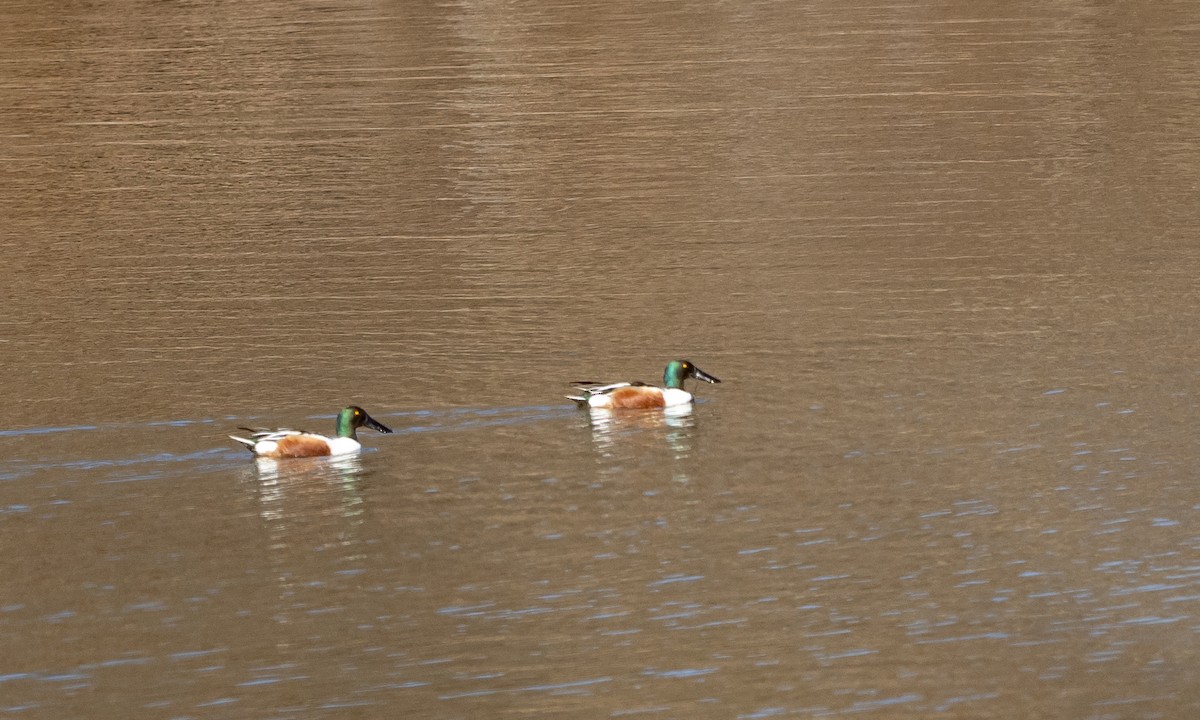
(285, 443)
(642, 395)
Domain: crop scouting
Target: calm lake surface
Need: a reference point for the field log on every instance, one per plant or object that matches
(943, 257)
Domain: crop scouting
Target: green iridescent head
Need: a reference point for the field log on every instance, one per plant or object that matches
(354, 417)
(679, 370)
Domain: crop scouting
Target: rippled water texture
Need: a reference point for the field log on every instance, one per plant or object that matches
(942, 256)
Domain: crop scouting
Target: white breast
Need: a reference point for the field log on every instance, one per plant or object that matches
(676, 396)
(343, 445)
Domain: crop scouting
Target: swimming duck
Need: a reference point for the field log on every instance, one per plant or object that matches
(641, 395)
(284, 443)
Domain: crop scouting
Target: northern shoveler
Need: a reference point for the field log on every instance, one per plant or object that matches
(284, 443)
(639, 394)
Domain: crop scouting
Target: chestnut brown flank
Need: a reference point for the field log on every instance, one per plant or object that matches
(637, 397)
(296, 446)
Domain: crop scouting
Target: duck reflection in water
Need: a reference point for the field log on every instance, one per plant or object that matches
(312, 517)
(621, 429)
(309, 485)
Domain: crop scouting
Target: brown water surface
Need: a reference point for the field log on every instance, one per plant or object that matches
(942, 255)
